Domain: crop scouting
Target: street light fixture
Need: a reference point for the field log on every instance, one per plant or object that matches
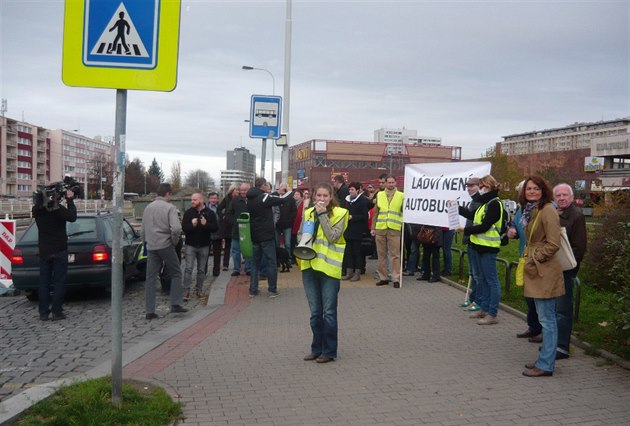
(273, 80)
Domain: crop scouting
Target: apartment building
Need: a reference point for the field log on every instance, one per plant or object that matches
(32, 156)
(573, 151)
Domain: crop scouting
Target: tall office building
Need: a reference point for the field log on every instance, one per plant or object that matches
(241, 167)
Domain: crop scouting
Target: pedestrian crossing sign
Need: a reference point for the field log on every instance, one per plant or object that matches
(122, 44)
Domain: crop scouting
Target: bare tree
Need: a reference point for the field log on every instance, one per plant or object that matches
(200, 180)
(176, 175)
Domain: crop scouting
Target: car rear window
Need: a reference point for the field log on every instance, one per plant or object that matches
(83, 229)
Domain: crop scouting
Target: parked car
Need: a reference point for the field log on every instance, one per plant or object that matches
(89, 254)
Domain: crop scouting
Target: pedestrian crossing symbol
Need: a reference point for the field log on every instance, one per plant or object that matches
(121, 44)
(117, 42)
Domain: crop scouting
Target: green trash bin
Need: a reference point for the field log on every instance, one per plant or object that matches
(245, 235)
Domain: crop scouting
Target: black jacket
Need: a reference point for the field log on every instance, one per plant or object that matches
(359, 210)
(288, 211)
(341, 194)
(51, 227)
(259, 204)
(199, 236)
(493, 214)
(236, 207)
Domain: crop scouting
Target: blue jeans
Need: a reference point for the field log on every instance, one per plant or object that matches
(236, 257)
(322, 294)
(473, 270)
(264, 251)
(412, 258)
(546, 309)
(53, 269)
(200, 254)
(448, 254)
(564, 312)
(489, 282)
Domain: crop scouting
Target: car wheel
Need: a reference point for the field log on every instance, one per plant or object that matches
(32, 295)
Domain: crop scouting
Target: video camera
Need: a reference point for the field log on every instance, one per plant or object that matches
(49, 196)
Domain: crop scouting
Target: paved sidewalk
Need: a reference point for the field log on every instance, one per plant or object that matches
(407, 356)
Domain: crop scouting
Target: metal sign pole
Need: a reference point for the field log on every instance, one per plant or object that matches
(263, 155)
(117, 270)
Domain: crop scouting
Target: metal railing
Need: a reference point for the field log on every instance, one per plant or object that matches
(508, 279)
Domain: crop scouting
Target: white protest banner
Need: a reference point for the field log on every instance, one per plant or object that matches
(429, 186)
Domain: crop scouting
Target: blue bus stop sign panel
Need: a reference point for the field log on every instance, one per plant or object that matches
(265, 117)
(122, 44)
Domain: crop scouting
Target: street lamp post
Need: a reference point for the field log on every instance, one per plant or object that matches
(264, 140)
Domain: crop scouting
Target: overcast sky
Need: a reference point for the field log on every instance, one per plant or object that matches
(469, 72)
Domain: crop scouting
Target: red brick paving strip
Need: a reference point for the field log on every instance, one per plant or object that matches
(236, 299)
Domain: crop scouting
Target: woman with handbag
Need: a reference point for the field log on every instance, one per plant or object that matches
(321, 275)
(431, 238)
(485, 239)
(543, 277)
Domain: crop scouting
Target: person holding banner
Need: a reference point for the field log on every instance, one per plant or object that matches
(387, 231)
(474, 299)
(321, 275)
(486, 241)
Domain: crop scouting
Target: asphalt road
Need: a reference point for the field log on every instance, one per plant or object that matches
(34, 352)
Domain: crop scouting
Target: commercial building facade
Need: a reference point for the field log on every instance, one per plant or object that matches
(318, 160)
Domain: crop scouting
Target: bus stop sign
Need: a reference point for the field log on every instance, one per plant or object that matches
(265, 116)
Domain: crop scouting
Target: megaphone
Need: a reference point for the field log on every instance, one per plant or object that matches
(303, 250)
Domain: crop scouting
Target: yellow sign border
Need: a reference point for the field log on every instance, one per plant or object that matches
(161, 78)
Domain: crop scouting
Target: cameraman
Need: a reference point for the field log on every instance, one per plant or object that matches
(198, 224)
(51, 218)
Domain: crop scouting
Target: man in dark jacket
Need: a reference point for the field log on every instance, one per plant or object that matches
(341, 190)
(259, 204)
(51, 218)
(198, 224)
(288, 211)
(238, 206)
(573, 220)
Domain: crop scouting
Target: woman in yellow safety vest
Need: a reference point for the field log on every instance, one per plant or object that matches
(326, 221)
(485, 240)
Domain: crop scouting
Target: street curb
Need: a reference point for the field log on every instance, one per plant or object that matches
(11, 408)
(625, 364)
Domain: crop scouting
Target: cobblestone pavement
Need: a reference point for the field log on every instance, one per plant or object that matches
(407, 356)
(34, 352)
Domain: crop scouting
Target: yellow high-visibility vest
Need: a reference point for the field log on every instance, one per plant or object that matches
(389, 213)
(492, 237)
(329, 255)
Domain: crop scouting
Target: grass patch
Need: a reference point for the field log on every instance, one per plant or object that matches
(89, 403)
(593, 325)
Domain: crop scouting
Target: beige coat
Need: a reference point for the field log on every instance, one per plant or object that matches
(543, 273)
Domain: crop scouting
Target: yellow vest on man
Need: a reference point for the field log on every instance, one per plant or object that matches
(389, 213)
(492, 237)
(329, 255)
